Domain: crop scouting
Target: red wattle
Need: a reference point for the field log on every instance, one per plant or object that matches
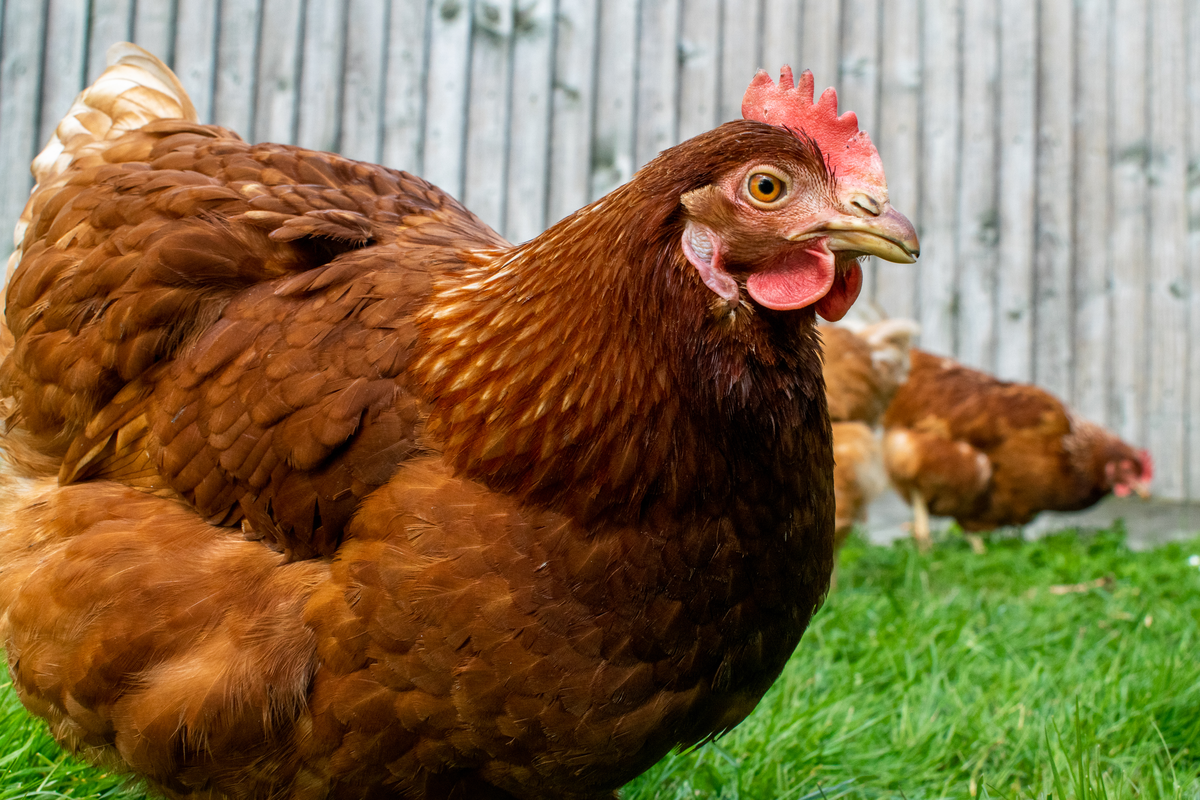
(799, 280)
(834, 305)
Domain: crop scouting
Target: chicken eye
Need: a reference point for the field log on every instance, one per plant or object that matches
(765, 188)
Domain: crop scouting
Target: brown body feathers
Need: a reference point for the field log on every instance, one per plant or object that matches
(314, 486)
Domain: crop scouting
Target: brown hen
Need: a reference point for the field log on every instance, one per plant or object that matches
(963, 444)
(316, 487)
(863, 368)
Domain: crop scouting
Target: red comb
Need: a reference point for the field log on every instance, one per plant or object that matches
(1147, 464)
(848, 151)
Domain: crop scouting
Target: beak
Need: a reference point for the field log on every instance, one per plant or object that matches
(887, 234)
(1142, 490)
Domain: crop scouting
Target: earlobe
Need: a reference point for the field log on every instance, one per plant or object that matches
(703, 250)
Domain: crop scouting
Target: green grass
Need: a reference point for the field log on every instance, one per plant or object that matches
(956, 675)
(942, 676)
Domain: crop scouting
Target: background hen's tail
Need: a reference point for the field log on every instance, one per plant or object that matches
(136, 89)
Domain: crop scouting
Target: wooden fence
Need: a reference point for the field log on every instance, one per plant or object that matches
(1048, 150)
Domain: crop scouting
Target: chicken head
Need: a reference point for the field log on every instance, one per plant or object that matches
(790, 231)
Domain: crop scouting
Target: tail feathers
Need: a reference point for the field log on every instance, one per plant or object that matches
(136, 89)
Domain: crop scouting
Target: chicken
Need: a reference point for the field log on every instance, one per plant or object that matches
(862, 370)
(859, 476)
(990, 453)
(316, 487)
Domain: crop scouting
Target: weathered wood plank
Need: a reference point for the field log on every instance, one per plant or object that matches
(1166, 385)
(858, 84)
(21, 43)
(780, 37)
(1091, 262)
(487, 144)
(741, 38)
(1192, 401)
(447, 94)
(111, 22)
(1130, 148)
(154, 28)
(362, 85)
(895, 287)
(941, 113)
(278, 79)
(234, 89)
(616, 66)
(1053, 314)
(195, 37)
(322, 62)
(699, 67)
(571, 111)
(978, 224)
(403, 144)
(820, 40)
(529, 121)
(1017, 189)
(657, 79)
(64, 63)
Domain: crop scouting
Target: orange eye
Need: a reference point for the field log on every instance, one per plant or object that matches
(765, 187)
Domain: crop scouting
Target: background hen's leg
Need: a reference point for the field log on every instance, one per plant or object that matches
(920, 528)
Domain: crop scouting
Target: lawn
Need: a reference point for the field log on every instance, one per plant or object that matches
(1066, 667)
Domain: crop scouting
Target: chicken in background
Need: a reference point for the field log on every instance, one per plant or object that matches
(990, 453)
(314, 486)
(859, 475)
(863, 368)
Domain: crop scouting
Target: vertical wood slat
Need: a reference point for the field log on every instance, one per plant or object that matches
(64, 65)
(235, 84)
(321, 68)
(781, 39)
(403, 144)
(111, 21)
(363, 81)
(657, 79)
(1091, 182)
(195, 36)
(529, 121)
(1053, 312)
(485, 157)
(574, 100)
(939, 173)
(820, 36)
(21, 42)
(898, 140)
(1129, 153)
(1018, 160)
(616, 71)
(446, 94)
(1192, 255)
(277, 84)
(1167, 284)
(978, 229)
(858, 84)
(741, 35)
(154, 28)
(699, 67)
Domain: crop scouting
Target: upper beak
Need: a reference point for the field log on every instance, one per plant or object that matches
(888, 235)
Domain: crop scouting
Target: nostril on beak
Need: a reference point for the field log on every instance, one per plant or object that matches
(867, 204)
